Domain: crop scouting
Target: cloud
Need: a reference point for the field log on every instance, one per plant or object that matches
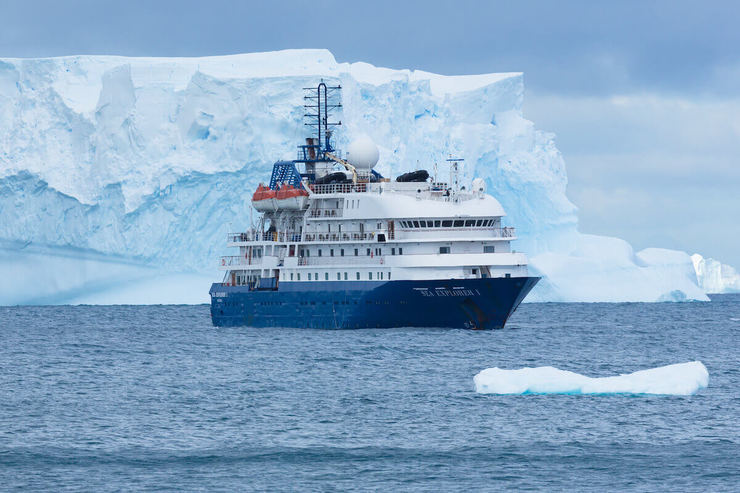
(654, 170)
(581, 47)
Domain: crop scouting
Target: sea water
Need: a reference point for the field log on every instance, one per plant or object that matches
(120, 398)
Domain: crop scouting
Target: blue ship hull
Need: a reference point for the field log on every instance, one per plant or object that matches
(456, 303)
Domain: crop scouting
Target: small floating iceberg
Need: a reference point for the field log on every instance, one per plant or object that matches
(679, 379)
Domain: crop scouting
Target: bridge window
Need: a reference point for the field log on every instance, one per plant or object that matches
(436, 224)
(416, 224)
(469, 223)
(444, 249)
(446, 224)
(459, 224)
(422, 224)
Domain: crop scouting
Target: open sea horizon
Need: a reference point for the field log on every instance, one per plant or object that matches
(154, 398)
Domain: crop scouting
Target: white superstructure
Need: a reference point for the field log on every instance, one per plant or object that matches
(379, 231)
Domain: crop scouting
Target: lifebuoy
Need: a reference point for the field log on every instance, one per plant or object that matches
(223, 261)
(381, 261)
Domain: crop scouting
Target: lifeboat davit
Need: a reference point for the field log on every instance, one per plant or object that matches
(264, 199)
(290, 197)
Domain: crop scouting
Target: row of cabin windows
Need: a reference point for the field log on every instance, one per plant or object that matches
(486, 249)
(339, 227)
(448, 223)
(379, 251)
(368, 252)
(340, 275)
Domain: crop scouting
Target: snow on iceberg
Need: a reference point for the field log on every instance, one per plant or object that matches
(714, 276)
(678, 379)
(599, 268)
(143, 164)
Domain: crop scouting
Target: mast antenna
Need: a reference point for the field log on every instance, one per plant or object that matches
(319, 104)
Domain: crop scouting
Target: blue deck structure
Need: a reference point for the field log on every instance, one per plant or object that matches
(456, 303)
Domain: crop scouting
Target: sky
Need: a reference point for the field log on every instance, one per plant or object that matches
(643, 96)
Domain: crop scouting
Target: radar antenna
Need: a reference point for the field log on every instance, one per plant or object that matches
(319, 103)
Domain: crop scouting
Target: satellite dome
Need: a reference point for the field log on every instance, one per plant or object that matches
(363, 153)
(479, 185)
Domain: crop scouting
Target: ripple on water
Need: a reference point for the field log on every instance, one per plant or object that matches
(119, 398)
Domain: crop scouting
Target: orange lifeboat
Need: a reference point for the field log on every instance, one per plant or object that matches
(290, 197)
(264, 199)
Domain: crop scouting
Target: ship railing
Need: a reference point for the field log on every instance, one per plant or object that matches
(268, 236)
(496, 232)
(342, 260)
(235, 260)
(339, 188)
(357, 235)
(240, 237)
(504, 232)
(324, 213)
(347, 236)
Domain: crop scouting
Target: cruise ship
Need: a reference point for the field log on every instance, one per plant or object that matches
(337, 245)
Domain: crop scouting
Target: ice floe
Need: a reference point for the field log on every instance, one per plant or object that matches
(678, 379)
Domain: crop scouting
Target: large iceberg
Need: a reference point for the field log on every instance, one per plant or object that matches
(678, 379)
(714, 276)
(120, 177)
